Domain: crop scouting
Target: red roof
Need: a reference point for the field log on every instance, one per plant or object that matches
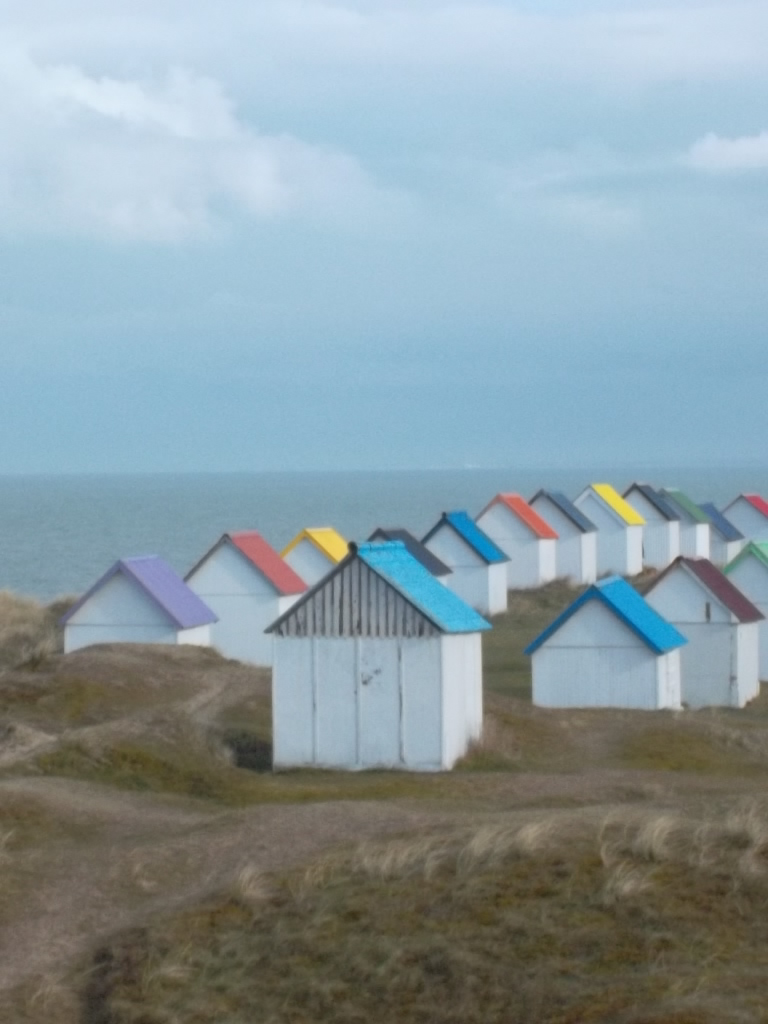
(718, 584)
(266, 559)
(520, 507)
(757, 502)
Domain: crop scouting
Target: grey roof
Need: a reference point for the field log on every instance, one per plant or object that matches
(659, 501)
(567, 507)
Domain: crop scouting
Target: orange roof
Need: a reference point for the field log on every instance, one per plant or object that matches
(520, 507)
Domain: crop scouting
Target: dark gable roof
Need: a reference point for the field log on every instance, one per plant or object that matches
(415, 548)
(718, 584)
(569, 510)
(724, 526)
(658, 500)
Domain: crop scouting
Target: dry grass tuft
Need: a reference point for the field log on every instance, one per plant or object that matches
(29, 631)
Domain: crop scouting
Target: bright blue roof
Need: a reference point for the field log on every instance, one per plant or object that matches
(166, 588)
(471, 534)
(392, 561)
(724, 526)
(629, 606)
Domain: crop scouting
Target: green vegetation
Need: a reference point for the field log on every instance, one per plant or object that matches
(553, 921)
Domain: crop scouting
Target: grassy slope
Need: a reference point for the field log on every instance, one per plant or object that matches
(650, 912)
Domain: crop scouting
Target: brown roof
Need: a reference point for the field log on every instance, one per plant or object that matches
(718, 584)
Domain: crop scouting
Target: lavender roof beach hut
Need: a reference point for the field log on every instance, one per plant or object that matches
(138, 600)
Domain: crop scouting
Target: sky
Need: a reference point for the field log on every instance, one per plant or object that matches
(347, 234)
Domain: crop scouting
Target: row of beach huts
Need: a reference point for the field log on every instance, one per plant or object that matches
(375, 647)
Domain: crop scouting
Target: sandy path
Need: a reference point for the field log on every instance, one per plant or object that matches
(149, 854)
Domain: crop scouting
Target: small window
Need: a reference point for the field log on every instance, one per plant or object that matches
(708, 611)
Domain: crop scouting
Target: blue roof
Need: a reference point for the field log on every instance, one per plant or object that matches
(471, 534)
(166, 588)
(566, 506)
(392, 561)
(629, 606)
(724, 526)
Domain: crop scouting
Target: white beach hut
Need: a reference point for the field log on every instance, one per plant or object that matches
(608, 649)
(379, 665)
(719, 665)
(694, 524)
(619, 529)
(139, 600)
(478, 566)
(248, 585)
(725, 541)
(576, 545)
(661, 532)
(528, 541)
(314, 552)
(749, 572)
(749, 514)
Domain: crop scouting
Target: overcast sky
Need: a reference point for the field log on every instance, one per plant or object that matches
(300, 234)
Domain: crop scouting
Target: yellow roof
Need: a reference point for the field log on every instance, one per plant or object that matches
(325, 538)
(612, 497)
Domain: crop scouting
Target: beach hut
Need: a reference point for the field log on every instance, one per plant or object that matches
(749, 572)
(528, 541)
(478, 566)
(694, 524)
(377, 666)
(139, 600)
(576, 545)
(248, 585)
(608, 649)
(661, 532)
(414, 547)
(314, 552)
(719, 664)
(725, 541)
(749, 513)
(619, 529)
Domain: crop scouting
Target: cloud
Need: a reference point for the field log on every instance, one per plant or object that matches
(157, 159)
(716, 154)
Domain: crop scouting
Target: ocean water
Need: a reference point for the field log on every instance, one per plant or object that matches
(58, 534)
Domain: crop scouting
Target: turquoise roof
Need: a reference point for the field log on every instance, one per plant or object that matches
(471, 534)
(392, 561)
(629, 606)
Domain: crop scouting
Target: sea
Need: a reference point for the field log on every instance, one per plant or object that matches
(59, 533)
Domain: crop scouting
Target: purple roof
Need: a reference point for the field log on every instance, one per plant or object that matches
(166, 588)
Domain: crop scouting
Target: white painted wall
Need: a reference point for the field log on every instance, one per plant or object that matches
(715, 673)
(619, 546)
(747, 519)
(363, 702)
(121, 612)
(531, 560)
(721, 551)
(595, 660)
(694, 540)
(751, 577)
(575, 552)
(661, 538)
(309, 562)
(472, 579)
(245, 602)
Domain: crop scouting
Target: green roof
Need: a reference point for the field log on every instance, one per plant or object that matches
(756, 548)
(690, 508)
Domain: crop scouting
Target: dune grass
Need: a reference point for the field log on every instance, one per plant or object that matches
(555, 920)
(29, 631)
